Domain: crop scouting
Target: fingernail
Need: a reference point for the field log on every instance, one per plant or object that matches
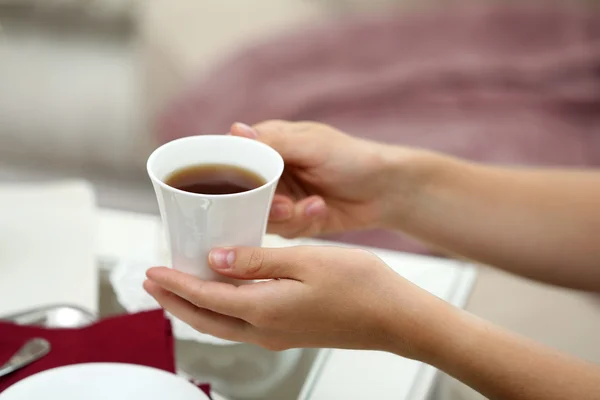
(152, 270)
(247, 130)
(221, 258)
(280, 212)
(316, 207)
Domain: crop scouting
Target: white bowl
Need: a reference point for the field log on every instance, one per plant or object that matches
(102, 381)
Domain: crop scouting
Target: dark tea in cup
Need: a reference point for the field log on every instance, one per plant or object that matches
(214, 179)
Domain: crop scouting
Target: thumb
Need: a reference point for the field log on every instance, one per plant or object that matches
(258, 262)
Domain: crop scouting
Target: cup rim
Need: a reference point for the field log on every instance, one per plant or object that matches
(163, 185)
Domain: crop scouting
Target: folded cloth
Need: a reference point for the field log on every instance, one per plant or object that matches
(514, 83)
(144, 338)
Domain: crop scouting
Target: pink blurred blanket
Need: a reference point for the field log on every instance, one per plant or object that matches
(513, 84)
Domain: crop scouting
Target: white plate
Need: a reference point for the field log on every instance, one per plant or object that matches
(102, 381)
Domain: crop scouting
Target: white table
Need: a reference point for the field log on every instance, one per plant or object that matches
(337, 374)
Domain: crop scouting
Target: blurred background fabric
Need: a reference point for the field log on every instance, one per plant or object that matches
(506, 83)
(84, 93)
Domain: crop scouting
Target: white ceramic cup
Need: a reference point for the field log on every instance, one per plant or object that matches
(196, 223)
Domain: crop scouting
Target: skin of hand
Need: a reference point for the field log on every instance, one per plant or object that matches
(332, 182)
(505, 366)
(321, 297)
(543, 224)
(347, 298)
(343, 298)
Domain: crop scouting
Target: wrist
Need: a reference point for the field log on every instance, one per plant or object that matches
(407, 173)
(415, 178)
(426, 331)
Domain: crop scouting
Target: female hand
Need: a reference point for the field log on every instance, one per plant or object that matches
(332, 182)
(317, 297)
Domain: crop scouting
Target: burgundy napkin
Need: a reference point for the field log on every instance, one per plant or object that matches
(144, 338)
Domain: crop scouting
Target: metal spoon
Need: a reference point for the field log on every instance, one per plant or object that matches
(32, 350)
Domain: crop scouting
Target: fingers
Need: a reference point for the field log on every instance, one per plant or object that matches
(240, 129)
(291, 140)
(282, 208)
(260, 263)
(301, 219)
(222, 298)
(200, 319)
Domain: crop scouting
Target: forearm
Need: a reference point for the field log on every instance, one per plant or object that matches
(501, 365)
(543, 224)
